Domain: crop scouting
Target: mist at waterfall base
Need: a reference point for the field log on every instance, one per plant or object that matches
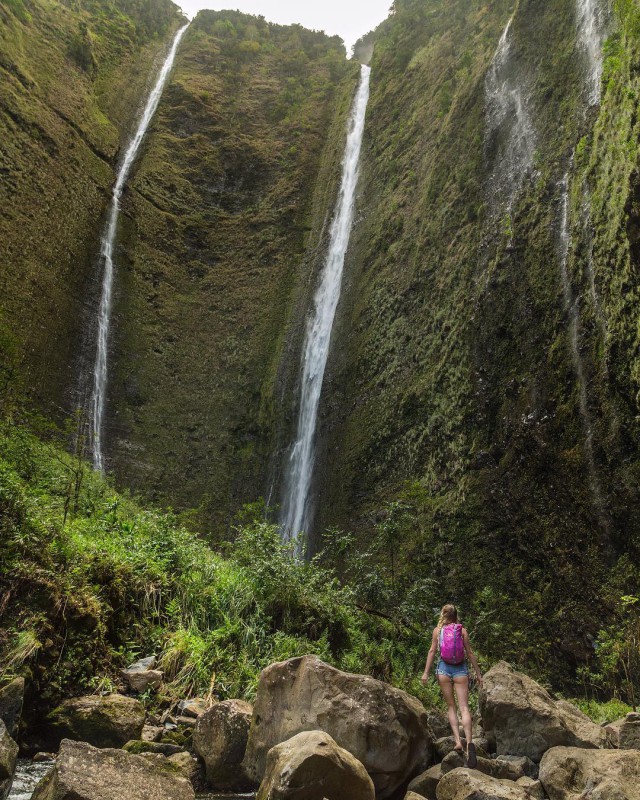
(296, 512)
(97, 401)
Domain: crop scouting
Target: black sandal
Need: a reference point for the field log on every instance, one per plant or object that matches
(472, 760)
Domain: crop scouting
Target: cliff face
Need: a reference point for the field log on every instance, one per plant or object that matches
(72, 79)
(219, 223)
(484, 369)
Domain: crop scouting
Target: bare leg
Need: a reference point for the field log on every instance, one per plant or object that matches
(462, 691)
(447, 691)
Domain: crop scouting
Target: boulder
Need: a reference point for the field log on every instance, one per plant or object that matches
(139, 746)
(469, 784)
(446, 745)
(152, 733)
(220, 739)
(141, 676)
(414, 796)
(311, 766)
(425, 784)
(439, 724)
(533, 787)
(191, 768)
(629, 738)
(109, 721)
(527, 721)
(384, 728)
(571, 773)
(11, 700)
(612, 731)
(193, 707)
(83, 772)
(514, 767)
(8, 758)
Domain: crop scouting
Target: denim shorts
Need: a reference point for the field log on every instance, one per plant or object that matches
(452, 670)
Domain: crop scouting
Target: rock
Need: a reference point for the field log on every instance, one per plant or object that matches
(438, 724)
(414, 796)
(142, 676)
(187, 722)
(8, 758)
(612, 731)
(109, 721)
(384, 728)
(571, 773)
(83, 772)
(630, 733)
(137, 747)
(191, 768)
(311, 766)
(193, 707)
(11, 700)
(41, 757)
(152, 733)
(469, 784)
(534, 788)
(456, 760)
(425, 784)
(514, 767)
(220, 739)
(527, 721)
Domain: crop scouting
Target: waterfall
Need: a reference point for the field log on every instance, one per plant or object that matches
(100, 368)
(591, 26)
(295, 511)
(510, 139)
(572, 308)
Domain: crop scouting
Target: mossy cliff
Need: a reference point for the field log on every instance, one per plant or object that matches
(73, 76)
(228, 200)
(456, 388)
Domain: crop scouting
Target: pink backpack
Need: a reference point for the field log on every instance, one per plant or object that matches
(451, 644)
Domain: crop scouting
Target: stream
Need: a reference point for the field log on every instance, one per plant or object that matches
(28, 775)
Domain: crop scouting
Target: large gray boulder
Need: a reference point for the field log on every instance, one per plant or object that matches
(11, 700)
(311, 766)
(384, 728)
(629, 738)
(109, 721)
(468, 784)
(527, 721)
(8, 757)
(83, 772)
(220, 739)
(571, 773)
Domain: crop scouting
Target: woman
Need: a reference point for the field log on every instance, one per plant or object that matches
(452, 641)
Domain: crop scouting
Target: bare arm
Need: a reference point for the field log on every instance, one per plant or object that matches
(430, 656)
(471, 656)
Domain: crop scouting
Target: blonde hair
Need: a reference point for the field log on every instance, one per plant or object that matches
(448, 615)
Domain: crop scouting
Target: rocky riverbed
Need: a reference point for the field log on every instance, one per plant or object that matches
(316, 733)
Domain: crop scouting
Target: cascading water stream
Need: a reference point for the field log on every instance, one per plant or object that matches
(510, 139)
(295, 509)
(591, 28)
(100, 368)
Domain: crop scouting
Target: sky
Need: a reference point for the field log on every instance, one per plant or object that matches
(350, 19)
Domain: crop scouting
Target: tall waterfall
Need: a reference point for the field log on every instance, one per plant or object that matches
(299, 470)
(100, 368)
(510, 140)
(591, 27)
(572, 308)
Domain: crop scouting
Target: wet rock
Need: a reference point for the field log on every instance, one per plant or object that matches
(109, 721)
(83, 772)
(527, 721)
(142, 676)
(384, 728)
(220, 739)
(630, 733)
(425, 784)
(469, 784)
(11, 700)
(137, 747)
(311, 766)
(8, 758)
(571, 773)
